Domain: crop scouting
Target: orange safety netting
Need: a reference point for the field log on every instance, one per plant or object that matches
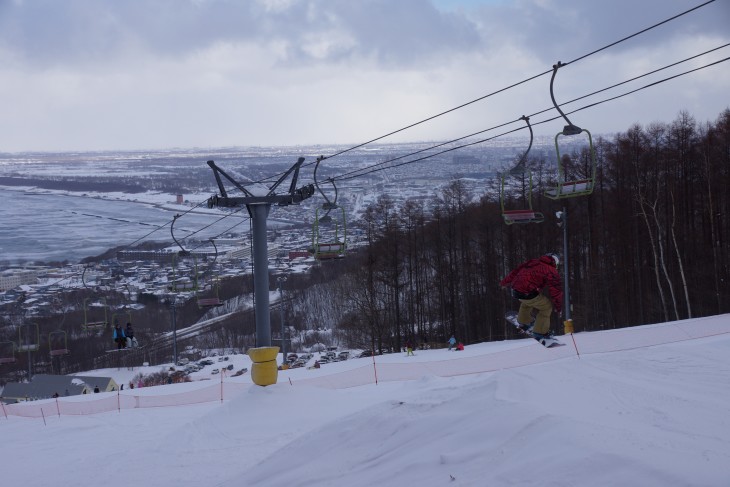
(531, 353)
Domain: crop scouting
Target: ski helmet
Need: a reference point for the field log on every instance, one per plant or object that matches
(555, 258)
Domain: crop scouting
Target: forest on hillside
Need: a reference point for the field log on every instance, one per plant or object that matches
(650, 244)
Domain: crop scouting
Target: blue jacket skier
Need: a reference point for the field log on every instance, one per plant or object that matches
(119, 337)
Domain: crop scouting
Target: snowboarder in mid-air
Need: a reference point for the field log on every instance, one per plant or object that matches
(527, 282)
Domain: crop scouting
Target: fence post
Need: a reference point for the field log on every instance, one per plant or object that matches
(375, 369)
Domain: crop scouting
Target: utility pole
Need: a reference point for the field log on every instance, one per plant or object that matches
(279, 281)
(258, 207)
(174, 330)
(563, 222)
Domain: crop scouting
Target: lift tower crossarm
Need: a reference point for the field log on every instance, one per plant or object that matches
(294, 197)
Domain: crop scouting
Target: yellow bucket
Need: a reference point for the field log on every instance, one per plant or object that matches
(263, 354)
(568, 326)
(264, 373)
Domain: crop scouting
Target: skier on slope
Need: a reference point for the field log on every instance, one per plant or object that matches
(527, 282)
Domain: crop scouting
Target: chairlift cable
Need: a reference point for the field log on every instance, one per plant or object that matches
(681, 14)
(536, 113)
(527, 79)
(632, 79)
(639, 32)
(376, 167)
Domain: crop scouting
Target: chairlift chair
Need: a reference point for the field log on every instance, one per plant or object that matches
(211, 301)
(183, 253)
(58, 343)
(525, 215)
(182, 284)
(322, 248)
(28, 337)
(520, 215)
(7, 353)
(566, 188)
(329, 248)
(94, 325)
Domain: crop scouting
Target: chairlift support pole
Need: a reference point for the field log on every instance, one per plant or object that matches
(258, 208)
(563, 221)
(279, 281)
(173, 305)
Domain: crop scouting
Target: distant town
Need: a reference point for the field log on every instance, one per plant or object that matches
(162, 269)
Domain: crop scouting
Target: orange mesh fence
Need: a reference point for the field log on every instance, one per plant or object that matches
(532, 353)
(525, 353)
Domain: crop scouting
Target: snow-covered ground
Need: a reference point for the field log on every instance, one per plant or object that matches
(643, 415)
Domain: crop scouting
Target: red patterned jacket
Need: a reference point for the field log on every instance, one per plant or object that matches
(535, 275)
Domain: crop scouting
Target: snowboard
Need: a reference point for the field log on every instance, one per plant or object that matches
(511, 318)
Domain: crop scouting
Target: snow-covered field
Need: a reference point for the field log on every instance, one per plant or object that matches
(647, 415)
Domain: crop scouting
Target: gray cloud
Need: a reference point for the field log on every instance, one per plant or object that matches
(49, 32)
(565, 29)
(94, 74)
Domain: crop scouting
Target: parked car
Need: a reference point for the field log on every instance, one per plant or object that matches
(343, 355)
(298, 363)
(215, 371)
(366, 353)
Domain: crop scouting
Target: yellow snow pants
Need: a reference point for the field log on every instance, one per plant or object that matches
(544, 308)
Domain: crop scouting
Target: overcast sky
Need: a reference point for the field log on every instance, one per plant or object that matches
(147, 74)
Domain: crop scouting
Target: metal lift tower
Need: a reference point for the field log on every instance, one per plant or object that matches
(258, 209)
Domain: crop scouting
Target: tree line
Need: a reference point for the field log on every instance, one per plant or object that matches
(650, 244)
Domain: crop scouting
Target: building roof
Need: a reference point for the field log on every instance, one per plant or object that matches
(43, 386)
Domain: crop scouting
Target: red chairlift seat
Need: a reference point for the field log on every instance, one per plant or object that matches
(522, 216)
(209, 302)
(7, 349)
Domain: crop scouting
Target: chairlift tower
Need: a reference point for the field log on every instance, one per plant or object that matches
(258, 207)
